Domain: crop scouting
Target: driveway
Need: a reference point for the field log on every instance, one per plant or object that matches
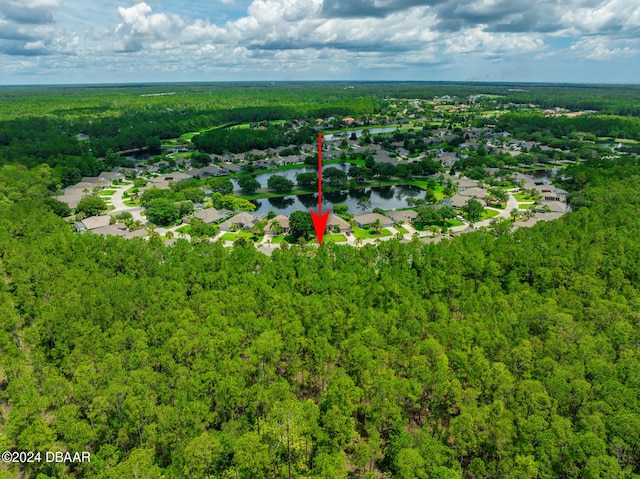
(119, 207)
(505, 213)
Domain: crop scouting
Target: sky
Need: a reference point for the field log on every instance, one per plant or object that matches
(124, 41)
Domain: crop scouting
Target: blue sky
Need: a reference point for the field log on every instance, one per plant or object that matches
(81, 41)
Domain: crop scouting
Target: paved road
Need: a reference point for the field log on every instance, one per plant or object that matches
(117, 201)
(119, 206)
(505, 213)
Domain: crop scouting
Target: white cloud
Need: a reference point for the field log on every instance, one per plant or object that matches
(34, 45)
(290, 35)
(477, 40)
(602, 49)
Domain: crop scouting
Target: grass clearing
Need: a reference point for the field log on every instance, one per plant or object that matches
(360, 233)
(618, 140)
(455, 222)
(522, 197)
(241, 234)
(335, 238)
(488, 214)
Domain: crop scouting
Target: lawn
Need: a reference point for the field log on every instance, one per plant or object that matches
(107, 193)
(131, 202)
(618, 140)
(521, 197)
(402, 230)
(335, 238)
(524, 206)
(487, 214)
(492, 112)
(246, 126)
(188, 136)
(185, 230)
(359, 233)
(241, 234)
(455, 222)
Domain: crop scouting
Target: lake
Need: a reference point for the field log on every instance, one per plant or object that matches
(263, 178)
(543, 175)
(347, 134)
(385, 197)
(142, 155)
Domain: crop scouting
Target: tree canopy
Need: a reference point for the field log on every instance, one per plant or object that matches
(91, 205)
(280, 183)
(494, 356)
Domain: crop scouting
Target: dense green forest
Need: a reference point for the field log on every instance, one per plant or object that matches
(79, 101)
(613, 126)
(239, 140)
(485, 356)
(39, 124)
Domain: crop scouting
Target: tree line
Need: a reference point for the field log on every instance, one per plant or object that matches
(511, 356)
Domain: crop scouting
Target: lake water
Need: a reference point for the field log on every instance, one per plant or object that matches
(263, 178)
(347, 134)
(544, 175)
(385, 197)
(143, 155)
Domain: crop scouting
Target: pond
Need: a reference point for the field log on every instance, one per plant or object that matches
(142, 155)
(347, 134)
(544, 175)
(385, 197)
(263, 178)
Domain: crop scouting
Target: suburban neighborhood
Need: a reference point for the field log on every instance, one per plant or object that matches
(432, 158)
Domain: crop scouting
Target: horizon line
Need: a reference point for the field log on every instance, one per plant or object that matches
(275, 82)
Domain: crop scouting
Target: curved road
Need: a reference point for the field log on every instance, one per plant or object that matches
(120, 207)
(505, 213)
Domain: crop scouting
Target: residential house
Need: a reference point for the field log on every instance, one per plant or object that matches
(93, 222)
(552, 206)
(142, 233)
(111, 175)
(536, 219)
(110, 230)
(551, 193)
(475, 192)
(208, 172)
(465, 184)
(176, 176)
(527, 182)
(232, 167)
(95, 180)
(277, 224)
(242, 220)
(209, 215)
(447, 159)
(334, 222)
(402, 216)
(367, 219)
(383, 156)
(458, 201)
(73, 194)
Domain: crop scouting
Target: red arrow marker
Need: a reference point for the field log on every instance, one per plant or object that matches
(319, 219)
